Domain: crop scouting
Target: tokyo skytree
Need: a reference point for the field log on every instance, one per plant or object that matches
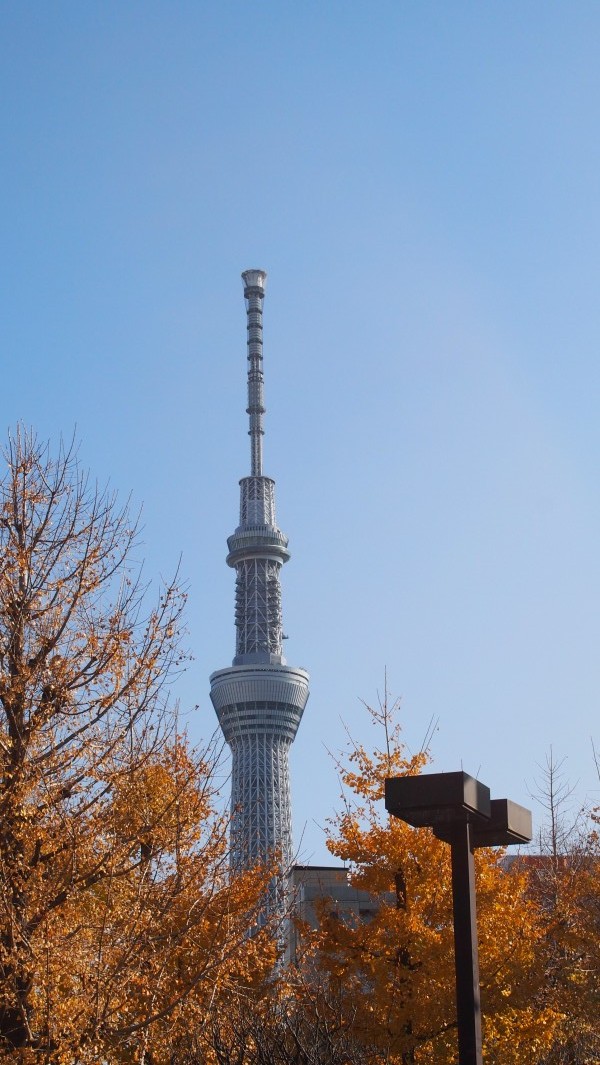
(259, 700)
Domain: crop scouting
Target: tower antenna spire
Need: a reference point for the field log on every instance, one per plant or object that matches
(254, 294)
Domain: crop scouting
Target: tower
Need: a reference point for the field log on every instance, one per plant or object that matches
(259, 700)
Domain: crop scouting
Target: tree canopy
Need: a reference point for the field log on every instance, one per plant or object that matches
(119, 925)
(397, 970)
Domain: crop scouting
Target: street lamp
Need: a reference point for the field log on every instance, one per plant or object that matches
(460, 811)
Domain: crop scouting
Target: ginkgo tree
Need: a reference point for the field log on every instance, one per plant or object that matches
(397, 970)
(119, 925)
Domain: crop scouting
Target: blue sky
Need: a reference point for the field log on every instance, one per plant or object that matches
(420, 181)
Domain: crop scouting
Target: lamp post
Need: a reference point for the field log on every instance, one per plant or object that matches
(460, 811)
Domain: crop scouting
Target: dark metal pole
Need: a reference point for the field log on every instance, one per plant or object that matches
(466, 955)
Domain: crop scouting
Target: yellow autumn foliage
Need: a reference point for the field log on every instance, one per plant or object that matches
(120, 929)
(397, 970)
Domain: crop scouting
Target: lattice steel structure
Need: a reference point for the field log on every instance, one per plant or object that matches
(259, 700)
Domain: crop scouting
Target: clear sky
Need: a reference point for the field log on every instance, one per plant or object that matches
(421, 182)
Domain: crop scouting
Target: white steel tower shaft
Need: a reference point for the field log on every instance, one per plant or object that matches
(259, 700)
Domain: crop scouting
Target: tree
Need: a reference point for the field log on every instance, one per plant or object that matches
(119, 926)
(293, 1022)
(397, 970)
(563, 878)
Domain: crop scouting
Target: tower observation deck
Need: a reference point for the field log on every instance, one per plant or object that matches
(259, 700)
